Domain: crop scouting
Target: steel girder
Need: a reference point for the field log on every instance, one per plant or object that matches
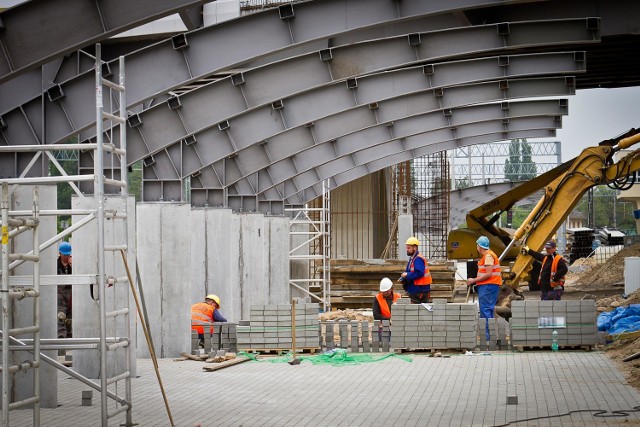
(464, 200)
(363, 143)
(249, 108)
(327, 166)
(68, 106)
(376, 165)
(299, 139)
(28, 39)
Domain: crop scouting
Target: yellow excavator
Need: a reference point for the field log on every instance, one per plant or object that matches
(563, 188)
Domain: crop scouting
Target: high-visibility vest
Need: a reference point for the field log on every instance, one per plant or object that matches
(201, 313)
(385, 310)
(495, 278)
(554, 270)
(424, 280)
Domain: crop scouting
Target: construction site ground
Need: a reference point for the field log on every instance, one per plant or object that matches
(567, 388)
(553, 389)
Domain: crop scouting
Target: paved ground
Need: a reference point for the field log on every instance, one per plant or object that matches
(455, 391)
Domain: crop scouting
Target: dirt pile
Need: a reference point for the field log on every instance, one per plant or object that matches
(611, 303)
(607, 274)
(631, 369)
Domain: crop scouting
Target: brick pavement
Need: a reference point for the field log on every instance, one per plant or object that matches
(455, 391)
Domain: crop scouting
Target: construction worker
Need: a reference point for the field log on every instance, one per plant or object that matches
(382, 303)
(552, 272)
(65, 312)
(488, 280)
(206, 312)
(416, 280)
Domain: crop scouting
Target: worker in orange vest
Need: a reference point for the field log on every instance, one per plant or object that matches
(382, 303)
(552, 272)
(487, 282)
(206, 312)
(489, 278)
(416, 279)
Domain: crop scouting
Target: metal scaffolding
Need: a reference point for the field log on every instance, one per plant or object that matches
(313, 225)
(15, 287)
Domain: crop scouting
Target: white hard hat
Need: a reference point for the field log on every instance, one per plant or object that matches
(385, 284)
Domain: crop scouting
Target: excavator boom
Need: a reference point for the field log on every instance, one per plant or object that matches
(563, 187)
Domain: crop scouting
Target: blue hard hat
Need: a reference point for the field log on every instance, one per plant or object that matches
(65, 248)
(483, 242)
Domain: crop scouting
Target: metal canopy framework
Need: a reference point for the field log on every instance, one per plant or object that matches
(73, 24)
(338, 99)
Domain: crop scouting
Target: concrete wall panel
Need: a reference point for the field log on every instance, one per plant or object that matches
(279, 289)
(86, 306)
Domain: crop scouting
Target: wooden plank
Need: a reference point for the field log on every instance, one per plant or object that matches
(624, 336)
(222, 365)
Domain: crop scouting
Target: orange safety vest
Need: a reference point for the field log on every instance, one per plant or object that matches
(201, 313)
(426, 279)
(554, 270)
(384, 307)
(495, 278)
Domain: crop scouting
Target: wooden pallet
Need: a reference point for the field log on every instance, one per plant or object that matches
(522, 348)
(308, 350)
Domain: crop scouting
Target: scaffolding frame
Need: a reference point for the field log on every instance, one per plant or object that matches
(316, 248)
(18, 287)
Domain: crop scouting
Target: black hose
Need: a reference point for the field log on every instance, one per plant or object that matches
(600, 413)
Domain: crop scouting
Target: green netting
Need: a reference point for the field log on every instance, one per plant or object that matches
(337, 357)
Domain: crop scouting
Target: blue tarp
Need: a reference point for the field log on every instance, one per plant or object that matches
(622, 319)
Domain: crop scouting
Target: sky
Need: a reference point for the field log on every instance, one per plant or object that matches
(596, 115)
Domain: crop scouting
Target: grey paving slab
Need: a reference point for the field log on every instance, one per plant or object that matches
(455, 391)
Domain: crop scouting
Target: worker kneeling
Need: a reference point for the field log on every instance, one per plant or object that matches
(382, 303)
(488, 280)
(204, 313)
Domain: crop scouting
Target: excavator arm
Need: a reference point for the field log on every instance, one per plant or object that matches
(562, 187)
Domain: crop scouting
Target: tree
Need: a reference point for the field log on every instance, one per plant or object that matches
(520, 165)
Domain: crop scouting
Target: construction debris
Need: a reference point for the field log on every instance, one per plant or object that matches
(613, 302)
(607, 274)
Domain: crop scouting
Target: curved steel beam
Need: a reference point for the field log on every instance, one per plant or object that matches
(68, 111)
(358, 143)
(194, 55)
(279, 148)
(251, 105)
(355, 172)
(464, 200)
(328, 167)
(28, 39)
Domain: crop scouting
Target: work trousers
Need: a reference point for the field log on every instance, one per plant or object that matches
(552, 295)
(64, 306)
(487, 298)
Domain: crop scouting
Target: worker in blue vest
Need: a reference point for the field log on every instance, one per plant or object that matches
(552, 272)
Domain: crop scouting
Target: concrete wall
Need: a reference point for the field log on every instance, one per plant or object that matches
(185, 254)
(23, 310)
(86, 309)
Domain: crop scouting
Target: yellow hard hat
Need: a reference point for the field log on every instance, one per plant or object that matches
(412, 241)
(213, 297)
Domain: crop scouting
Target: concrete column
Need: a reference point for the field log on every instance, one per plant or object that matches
(405, 230)
(86, 305)
(164, 255)
(22, 199)
(279, 288)
(213, 256)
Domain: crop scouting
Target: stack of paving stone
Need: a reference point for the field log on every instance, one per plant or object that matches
(447, 326)
(533, 322)
(270, 328)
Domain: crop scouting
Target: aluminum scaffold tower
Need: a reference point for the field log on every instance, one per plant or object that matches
(16, 287)
(313, 225)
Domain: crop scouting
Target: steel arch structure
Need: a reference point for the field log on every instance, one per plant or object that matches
(238, 165)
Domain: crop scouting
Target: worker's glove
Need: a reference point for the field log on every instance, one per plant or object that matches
(524, 250)
(62, 316)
